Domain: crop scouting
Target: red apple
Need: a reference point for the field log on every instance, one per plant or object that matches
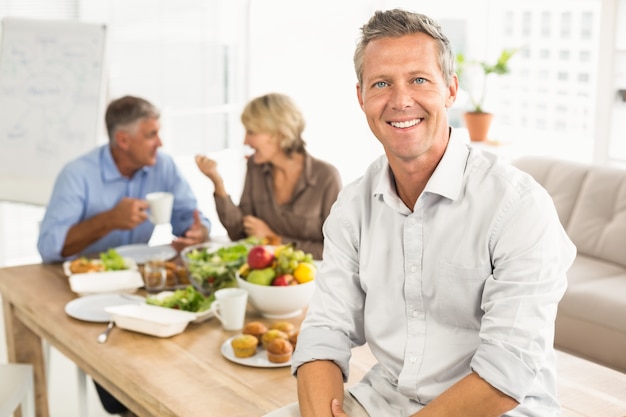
(283, 280)
(260, 257)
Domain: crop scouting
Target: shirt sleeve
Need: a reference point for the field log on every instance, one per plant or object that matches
(521, 296)
(65, 208)
(334, 320)
(230, 216)
(330, 182)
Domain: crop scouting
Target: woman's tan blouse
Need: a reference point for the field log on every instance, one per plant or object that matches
(299, 220)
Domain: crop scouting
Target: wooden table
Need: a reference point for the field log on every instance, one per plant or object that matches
(186, 375)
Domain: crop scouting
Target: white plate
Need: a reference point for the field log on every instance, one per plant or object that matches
(141, 252)
(149, 319)
(258, 361)
(203, 316)
(106, 282)
(130, 264)
(91, 307)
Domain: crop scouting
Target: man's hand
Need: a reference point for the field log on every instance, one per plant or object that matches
(197, 233)
(126, 215)
(337, 409)
(129, 213)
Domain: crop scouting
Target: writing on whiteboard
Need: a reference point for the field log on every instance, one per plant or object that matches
(51, 78)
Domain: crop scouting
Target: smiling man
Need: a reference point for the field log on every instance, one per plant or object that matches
(446, 261)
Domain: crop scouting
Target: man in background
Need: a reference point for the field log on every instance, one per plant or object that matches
(98, 201)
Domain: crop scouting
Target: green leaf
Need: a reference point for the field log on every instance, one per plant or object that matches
(113, 261)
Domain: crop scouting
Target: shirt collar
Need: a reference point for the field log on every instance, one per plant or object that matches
(308, 176)
(110, 172)
(447, 179)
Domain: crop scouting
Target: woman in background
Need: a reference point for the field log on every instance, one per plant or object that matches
(287, 193)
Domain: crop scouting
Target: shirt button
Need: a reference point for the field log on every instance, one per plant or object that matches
(413, 359)
(414, 313)
(413, 268)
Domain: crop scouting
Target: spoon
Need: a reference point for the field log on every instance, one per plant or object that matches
(102, 337)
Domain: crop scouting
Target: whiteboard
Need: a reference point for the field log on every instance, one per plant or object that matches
(51, 100)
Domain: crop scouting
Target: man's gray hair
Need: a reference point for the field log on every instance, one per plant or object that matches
(125, 111)
(396, 23)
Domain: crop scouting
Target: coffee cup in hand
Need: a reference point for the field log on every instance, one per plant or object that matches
(160, 207)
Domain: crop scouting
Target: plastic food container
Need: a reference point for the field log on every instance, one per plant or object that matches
(106, 282)
(149, 319)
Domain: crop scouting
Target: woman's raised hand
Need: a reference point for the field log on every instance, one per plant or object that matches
(207, 166)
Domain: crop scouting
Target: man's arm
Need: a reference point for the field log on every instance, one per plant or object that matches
(128, 214)
(319, 382)
(472, 396)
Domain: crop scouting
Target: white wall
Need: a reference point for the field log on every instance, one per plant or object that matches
(305, 50)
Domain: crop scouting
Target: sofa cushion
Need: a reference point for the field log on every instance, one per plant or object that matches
(599, 301)
(562, 179)
(597, 225)
(589, 269)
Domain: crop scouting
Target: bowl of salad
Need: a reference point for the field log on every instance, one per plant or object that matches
(212, 265)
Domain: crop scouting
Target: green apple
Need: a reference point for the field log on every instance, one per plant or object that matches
(261, 276)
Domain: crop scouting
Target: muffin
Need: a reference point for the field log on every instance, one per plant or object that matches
(284, 326)
(279, 350)
(244, 345)
(272, 334)
(293, 338)
(255, 328)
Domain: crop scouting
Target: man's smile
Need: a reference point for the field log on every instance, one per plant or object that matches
(406, 124)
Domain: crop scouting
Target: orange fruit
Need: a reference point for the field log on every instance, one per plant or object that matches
(304, 272)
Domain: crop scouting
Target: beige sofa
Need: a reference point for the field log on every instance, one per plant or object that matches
(591, 202)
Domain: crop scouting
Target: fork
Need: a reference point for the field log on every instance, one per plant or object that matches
(102, 337)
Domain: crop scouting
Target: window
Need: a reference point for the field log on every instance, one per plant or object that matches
(191, 57)
(545, 74)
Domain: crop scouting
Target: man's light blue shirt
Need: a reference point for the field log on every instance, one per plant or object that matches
(469, 280)
(92, 184)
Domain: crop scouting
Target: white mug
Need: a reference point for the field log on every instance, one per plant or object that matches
(229, 307)
(160, 204)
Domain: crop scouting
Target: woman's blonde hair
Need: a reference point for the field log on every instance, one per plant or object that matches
(276, 114)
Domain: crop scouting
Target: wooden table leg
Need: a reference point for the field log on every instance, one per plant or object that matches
(24, 346)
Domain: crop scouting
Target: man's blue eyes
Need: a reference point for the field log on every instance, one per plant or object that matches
(381, 84)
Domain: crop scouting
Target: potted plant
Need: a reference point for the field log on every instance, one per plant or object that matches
(473, 78)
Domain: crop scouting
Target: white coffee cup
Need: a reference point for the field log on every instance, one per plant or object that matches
(229, 307)
(160, 204)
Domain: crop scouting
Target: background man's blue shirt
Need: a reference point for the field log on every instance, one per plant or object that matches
(92, 184)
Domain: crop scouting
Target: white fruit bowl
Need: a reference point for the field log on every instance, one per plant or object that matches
(276, 302)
